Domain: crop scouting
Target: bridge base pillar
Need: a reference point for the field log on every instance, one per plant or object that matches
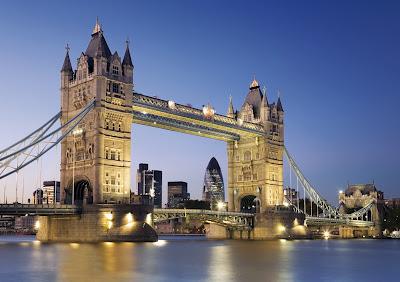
(277, 223)
(99, 223)
(216, 231)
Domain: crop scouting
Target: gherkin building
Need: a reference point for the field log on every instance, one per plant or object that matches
(213, 189)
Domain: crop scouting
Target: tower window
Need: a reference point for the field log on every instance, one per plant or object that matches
(115, 70)
(112, 155)
(115, 87)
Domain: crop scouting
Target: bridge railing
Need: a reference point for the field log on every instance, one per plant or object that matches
(199, 211)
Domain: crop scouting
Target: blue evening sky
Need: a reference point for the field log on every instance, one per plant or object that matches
(336, 63)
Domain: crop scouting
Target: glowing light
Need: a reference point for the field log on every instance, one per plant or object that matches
(109, 224)
(109, 244)
(327, 235)
(129, 217)
(171, 105)
(240, 121)
(208, 111)
(340, 191)
(160, 243)
(286, 204)
(281, 228)
(109, 216)
(37, 225)
(145, 113)
(74, 245)
(149, 219)
(221, 206)
(77, 131)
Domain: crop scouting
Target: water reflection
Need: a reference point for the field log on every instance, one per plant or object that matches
(220, 264)
(198, 260)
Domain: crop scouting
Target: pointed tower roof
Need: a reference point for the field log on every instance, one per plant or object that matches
(127, 57)
(254, 83)
(264, 101)
(254, 97)
(67, 67)
(97, 27)
(279, 105)
(231, 111)
(98, 46)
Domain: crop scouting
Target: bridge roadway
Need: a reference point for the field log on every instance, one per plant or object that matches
(38, 209)
(233, 219)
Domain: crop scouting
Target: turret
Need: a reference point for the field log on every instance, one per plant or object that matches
(98, 50)
(66, 71)
(127, 66)
(280, 108)
(264, 107)
(231, 111)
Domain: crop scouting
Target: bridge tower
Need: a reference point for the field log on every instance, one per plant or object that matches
(96, 157)
(255, 164)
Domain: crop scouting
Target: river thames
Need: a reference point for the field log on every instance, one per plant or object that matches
(196, 259)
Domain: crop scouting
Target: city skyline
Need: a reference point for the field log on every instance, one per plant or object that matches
(327, 154)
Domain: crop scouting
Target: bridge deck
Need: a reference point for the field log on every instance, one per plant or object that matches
(37, 209)
(160, 113)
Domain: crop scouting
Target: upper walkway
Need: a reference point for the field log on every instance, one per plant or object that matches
(160, 113)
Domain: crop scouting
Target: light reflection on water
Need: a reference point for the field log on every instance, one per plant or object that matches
(200, 260)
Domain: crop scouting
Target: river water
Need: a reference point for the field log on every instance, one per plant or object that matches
(196, 259)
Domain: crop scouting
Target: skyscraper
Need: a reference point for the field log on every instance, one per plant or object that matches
(149, 182)
(177, 193)
(213, 189)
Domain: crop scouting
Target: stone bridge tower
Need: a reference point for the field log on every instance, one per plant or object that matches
(97, 156)
(255, 165)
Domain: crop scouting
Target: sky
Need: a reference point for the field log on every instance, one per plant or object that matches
(335, 63)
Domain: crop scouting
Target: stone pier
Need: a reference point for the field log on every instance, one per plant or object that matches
(100, 223)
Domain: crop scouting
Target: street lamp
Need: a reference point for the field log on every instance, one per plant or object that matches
(75, 132)
(220, 205)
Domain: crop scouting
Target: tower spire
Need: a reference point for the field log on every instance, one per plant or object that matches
(231, 111)
(127, 57)
(264, 100)
(97, 27)
(67, 67)
(279, 103)
(254, 83)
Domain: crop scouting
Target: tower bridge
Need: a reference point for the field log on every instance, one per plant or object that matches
(99, 106)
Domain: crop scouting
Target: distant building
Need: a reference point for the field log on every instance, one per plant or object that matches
(357, 196)
(38, 196)
(25, 222)
(149, 182)
(177, 194)
(393, 203)
(51, 192)
(7, 222)
(213, 189)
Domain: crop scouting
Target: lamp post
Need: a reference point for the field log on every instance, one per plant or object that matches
(75, 132)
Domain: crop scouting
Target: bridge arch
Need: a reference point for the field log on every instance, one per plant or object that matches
(83, 191)
(250, 204)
